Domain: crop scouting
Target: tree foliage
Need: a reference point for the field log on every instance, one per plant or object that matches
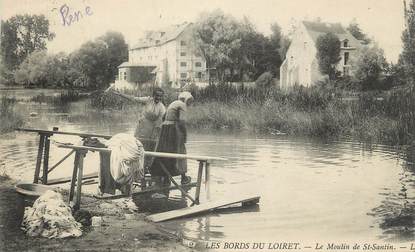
(328, 54)
(21, 35)
(93, 65)
(234, 48)
(355, 30)
(42, 69)
(369, 66)
(96, 61)
(407, 57)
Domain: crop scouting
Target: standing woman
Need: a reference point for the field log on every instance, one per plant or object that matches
(172, 139)
(149, 125)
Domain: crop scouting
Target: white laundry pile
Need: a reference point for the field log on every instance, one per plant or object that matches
(50, 217)
(127, 159)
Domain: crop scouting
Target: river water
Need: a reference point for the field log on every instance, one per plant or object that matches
(310, 190)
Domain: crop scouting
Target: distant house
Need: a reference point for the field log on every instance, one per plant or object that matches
(163, 57)
(301, 66)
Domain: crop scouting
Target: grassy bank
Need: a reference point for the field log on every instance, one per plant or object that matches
(386, 117)
(9, 119)
(383, 117)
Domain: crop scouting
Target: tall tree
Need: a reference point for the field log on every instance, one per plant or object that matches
(407, 57)
(22, 35)
(218, 37)
(91, 61)
(328, 54)
(236, 47)
(95, 64)
(355, 30)
(117, 51)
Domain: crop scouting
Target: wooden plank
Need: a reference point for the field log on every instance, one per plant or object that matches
(52, 132)
(183, 156)
(80, 147)
(143, 191)
(68, 179)
(148, 153)
(204, 207)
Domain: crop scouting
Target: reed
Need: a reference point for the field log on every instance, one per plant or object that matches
(9, 118)
(63, 97)
(382, 117)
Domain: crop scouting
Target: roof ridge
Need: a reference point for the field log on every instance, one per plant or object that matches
(156, 38)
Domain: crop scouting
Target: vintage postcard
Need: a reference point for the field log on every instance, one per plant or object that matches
(190, 125)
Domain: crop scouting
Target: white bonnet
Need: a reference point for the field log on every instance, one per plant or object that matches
(185, 96)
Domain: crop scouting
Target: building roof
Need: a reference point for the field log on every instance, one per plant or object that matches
(162, 36)
(315, 29)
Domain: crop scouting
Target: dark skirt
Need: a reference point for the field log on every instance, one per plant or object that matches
(172, 140)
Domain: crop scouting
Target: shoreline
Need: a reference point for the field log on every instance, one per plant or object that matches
(117, 232)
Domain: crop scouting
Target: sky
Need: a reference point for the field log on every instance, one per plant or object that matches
(382, 20)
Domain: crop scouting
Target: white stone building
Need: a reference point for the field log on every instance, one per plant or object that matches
(165, 57)
(301, 67)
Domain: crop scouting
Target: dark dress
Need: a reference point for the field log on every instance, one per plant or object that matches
(172, 140)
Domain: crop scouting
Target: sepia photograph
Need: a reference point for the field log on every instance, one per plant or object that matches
(216, 125)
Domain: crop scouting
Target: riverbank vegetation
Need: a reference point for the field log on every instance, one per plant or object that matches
(63, 97)
(9, 118)
(312, 112)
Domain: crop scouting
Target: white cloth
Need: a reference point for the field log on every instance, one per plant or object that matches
(50, 217)
(127, 158)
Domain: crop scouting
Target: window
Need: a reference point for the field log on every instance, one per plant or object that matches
(346, 43)
(198, 64)
(182, 43)
(182, 54)
(125, 75)
(346, 58)
(183, 75)
(199, 75)
(183, 64)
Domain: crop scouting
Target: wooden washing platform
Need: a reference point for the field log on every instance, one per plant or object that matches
(204, 207)
(78, 178)
(80, 153)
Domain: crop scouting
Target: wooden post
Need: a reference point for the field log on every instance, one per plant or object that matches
(74, 172)
(39, 158)
(79, 180)
(207, 180)
(199, 182)
(46, 161)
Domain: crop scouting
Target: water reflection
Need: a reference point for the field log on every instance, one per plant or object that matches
(396, 212)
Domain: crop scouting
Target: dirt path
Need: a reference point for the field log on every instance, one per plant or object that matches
(118, 233)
